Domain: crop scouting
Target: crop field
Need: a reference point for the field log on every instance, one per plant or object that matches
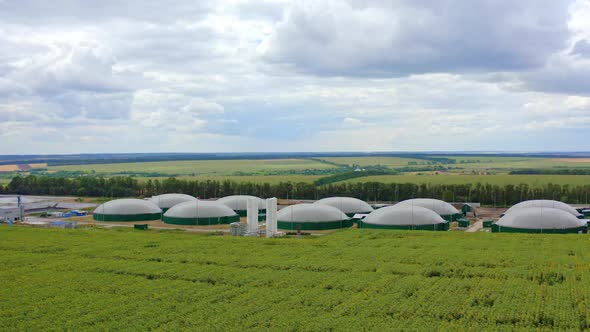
(271, 179)
(200, 167)
(368, 161)
(504, 179)
(121, 279)
(477, 163)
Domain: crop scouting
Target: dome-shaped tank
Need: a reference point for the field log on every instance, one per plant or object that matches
(350, 206)
(539, 220)
(200, 213)
(239, 203)
(545, 203)
(312, 217)
(127, 209)
(405, 217)
(442, 208)
(166, 201)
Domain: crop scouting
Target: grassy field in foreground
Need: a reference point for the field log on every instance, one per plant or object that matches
(200, 167)
(504, 179)
(351, 280)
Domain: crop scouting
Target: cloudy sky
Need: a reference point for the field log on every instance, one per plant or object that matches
(236, 75)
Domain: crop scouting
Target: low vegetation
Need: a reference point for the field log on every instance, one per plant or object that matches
(350, 280)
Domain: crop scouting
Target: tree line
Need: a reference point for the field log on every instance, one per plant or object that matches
(484, 193)
(556, 171)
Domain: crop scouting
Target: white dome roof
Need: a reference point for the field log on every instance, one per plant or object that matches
(167, 201)
(240, 202)
(436, 205)
(540, 218)
(199, 209)
(347, 204)
(403, 215)
(545, 203)
(127, 206)
(310, 213)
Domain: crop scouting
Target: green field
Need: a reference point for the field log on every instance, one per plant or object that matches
(368, 161)
(200, 167)
(271, 179)
(504, 179)
(478, 163)
(352, 280)
(483, 169)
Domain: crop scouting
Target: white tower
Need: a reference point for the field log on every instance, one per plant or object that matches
(252, 216)
(271, 217)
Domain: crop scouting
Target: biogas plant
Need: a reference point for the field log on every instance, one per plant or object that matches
(254, 216)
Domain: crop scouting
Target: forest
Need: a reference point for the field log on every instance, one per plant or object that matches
(487, 194)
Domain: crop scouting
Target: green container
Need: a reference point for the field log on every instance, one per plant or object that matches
(463, 222)
(140, 226)
(488, 223)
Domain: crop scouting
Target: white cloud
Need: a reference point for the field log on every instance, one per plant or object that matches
(237, 75)
(379, 38)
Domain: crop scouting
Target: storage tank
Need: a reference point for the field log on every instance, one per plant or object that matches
(127, 209)
(539, 220)
(312, 217)
(200, 213)
(166, 201)
(443, 209)
(349, 205)
(545, 203)
(239, 203)
(405, 217)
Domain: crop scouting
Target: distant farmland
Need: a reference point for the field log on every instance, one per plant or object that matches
(200, 167)
(501, 180)
(431, 169)
(20, 167)
(476, 163)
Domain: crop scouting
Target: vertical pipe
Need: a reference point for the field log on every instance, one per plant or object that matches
(252, 215)
(271, 217)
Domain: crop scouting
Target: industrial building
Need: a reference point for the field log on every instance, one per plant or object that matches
(350, 206)
(545, 203)
(312, 217)
(11, 213)
(443, 209)
(239, 203)
(405, 217)
(539, 220)
(127, 209)
(166, 201)
(200, 213)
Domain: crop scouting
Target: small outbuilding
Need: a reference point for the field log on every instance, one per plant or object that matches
(199, 212)
(443, 209)
(349, 205)
(539, 220)
(239, 203)
(312, 217)
(166, 201)
(405, 217)
(127, 209)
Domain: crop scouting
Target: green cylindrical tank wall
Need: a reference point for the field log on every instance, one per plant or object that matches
(124, 217)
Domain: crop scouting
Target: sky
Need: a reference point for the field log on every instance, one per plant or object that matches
(81, 76)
